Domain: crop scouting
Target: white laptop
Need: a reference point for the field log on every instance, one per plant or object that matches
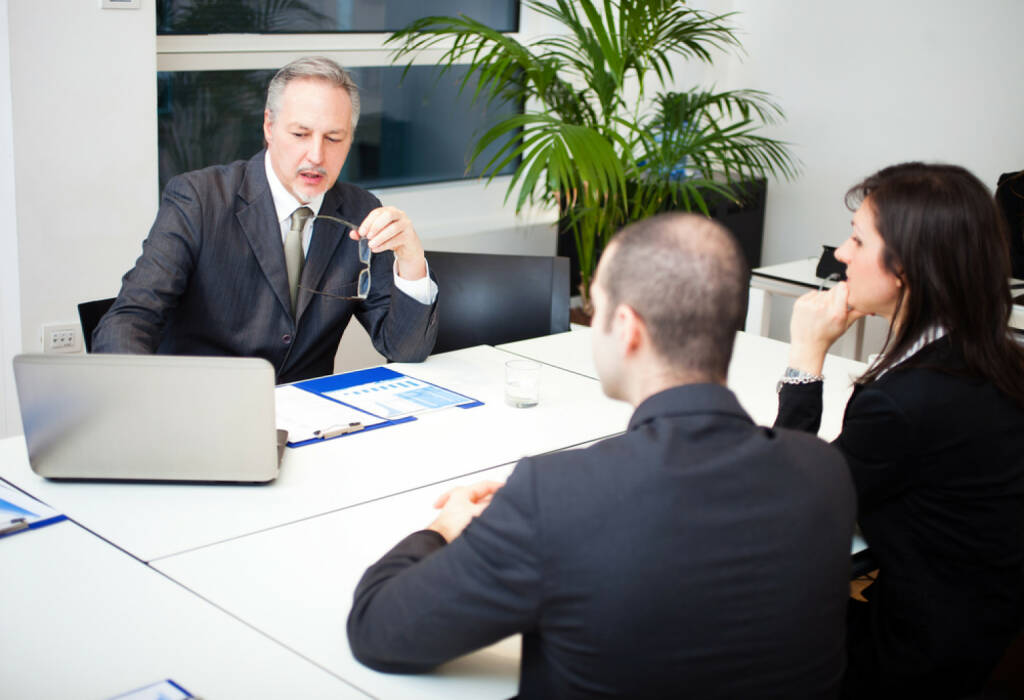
(149, 417)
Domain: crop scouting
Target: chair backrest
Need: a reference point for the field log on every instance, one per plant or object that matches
(492, 299)
(1010, 197)
(89, 314)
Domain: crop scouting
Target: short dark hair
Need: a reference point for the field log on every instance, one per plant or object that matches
(947, 241)
(312, 68)
(686, 277)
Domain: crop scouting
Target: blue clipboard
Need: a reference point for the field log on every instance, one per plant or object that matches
(15, 513)
(322, 386)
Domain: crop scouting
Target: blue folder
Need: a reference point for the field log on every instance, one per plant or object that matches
(321, 386)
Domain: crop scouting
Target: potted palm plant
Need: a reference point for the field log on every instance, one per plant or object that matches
(593, 140)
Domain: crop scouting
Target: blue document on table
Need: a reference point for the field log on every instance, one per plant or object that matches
(344, 404)
(20, 512)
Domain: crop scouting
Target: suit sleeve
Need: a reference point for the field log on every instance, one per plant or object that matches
(401, 328)
(800, 407)
(151, 289)
(875, 437)
(425, 602)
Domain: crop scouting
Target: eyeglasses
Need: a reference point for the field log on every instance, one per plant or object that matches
(363, 284)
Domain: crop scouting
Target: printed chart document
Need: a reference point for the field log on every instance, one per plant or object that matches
(366, 399)
(308, 416)
(19, 511)
(398, 397)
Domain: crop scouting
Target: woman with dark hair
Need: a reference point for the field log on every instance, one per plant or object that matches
(933, 433)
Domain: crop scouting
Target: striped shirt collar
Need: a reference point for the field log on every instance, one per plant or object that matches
(929, 336)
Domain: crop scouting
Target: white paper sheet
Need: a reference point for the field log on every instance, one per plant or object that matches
(306, 415)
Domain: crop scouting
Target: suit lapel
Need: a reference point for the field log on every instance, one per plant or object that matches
(258, 219)
(327, 236)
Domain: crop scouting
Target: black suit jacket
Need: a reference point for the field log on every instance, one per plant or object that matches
(212, 280)
(697, 555)
(937, 457)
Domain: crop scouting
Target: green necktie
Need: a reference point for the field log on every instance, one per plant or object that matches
(293, 257)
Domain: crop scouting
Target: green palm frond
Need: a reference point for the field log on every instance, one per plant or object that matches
(557, 159)
(580, 145)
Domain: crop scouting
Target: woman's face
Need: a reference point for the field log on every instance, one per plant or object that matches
(873, 289)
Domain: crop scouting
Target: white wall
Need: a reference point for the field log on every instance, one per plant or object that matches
(83, 90)
(873, 83)
(10, 293)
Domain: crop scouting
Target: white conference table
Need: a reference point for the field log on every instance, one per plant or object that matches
(285, 558)
(84, 620)
(156, 520)
(295, 584)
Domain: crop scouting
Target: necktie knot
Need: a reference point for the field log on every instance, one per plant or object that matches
(299, 218)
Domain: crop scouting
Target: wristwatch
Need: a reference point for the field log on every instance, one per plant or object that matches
(797, 376)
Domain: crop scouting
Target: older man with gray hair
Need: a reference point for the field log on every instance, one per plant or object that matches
(272, 256)
(696, 555)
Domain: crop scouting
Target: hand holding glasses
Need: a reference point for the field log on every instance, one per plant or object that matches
(363, 284)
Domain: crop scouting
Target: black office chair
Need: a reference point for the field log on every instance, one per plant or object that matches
(1010, 197)
(89, 314)
(493, 299)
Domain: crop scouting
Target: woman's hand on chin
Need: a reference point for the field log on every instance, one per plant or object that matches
(819, 319)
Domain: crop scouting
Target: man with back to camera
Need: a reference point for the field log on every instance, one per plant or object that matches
(235, 264)
(695, 555)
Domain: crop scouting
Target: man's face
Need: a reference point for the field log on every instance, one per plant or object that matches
(308, 139)
(604, 347)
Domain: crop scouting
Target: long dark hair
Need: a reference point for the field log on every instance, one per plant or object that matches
(946, 240)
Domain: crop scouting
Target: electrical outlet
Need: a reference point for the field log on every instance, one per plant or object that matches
(62, 337)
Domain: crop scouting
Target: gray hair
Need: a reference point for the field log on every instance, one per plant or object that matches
(314, 68)
(687, 278)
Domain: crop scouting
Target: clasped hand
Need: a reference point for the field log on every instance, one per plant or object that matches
(460, 505)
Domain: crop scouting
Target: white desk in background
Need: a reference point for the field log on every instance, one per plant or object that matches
(156, 520)
(793, 279)
(790, 279)
(84, 620)
(757, 364)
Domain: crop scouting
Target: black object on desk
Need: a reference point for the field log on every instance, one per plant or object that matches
(828, 265)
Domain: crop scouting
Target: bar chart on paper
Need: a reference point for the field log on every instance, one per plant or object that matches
(398, 397)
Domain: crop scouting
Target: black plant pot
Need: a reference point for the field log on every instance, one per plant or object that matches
(745, 219)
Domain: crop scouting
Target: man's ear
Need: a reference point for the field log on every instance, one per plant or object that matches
(267, 123)
(632, 331)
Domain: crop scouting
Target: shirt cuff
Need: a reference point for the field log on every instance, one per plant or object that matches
(423, 290)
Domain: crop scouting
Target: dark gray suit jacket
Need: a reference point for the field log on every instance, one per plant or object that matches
(697, 555)
(211, 280)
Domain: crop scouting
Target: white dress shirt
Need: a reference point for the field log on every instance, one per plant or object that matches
(423, 290)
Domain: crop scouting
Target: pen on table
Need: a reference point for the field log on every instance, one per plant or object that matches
(14, 525)
(335, 431)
